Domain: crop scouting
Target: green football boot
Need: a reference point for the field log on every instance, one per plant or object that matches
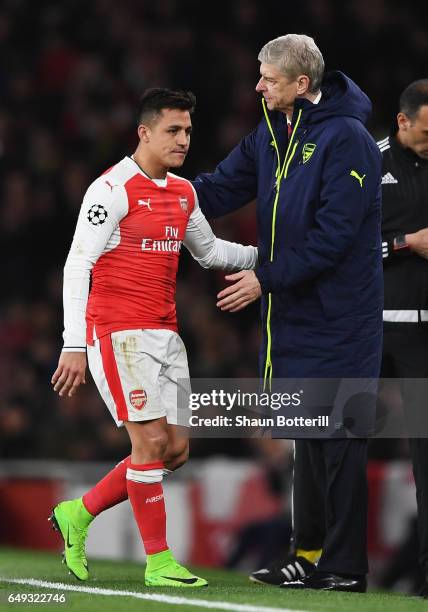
(72, 520)
(162, 570)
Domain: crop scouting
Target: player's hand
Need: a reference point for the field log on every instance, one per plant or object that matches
(70, 373)
(246, 289)
(418, 242)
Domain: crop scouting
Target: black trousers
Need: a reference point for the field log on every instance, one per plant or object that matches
(405, 356)
(330, 502)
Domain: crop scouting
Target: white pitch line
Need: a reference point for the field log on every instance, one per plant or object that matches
(167, 599)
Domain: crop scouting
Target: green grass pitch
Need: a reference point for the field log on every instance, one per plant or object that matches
(227, 590)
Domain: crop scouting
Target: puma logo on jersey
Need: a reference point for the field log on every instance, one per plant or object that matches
(110, 185)
(359, 178)
(145, 203)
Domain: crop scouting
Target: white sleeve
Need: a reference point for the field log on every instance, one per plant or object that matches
(212, 252)
(97, 231)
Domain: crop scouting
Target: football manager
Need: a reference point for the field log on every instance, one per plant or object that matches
(315, 173)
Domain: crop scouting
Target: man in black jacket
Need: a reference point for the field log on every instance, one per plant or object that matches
(405, 253)
(405, 349)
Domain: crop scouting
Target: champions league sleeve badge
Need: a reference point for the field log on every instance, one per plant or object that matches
(97, 214)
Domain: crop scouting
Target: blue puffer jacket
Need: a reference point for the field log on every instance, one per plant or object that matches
(319, 213)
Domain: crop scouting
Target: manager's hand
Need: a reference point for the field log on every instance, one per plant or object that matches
(70, 373)
(245, 289)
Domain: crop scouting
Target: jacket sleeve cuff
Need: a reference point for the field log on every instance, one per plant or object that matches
(263, 274)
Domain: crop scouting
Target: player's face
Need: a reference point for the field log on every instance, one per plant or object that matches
(414, 132)
(169, 138)
(279, 91)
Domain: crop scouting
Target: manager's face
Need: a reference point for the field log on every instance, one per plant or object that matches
(279, 91)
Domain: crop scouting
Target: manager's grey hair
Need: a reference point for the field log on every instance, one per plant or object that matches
(295, 54)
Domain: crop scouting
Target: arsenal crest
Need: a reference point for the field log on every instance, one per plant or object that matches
(138, 398)
(183, 203)
(307, 151)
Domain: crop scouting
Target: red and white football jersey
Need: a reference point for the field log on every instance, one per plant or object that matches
(129, 235)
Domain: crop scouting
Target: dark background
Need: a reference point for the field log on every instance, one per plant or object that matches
(71, 73)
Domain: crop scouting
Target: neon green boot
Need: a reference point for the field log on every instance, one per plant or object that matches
(72, 520)
(163, 570)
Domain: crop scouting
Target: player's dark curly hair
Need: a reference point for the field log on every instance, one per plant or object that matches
(154, 100)
(413, 97)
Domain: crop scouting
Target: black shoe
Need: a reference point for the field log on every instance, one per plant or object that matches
(290, 569)
(325, 581)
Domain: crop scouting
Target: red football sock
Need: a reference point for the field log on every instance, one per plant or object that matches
(145, 493)
(109, 491)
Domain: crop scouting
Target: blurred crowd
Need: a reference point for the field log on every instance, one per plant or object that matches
(71, 73)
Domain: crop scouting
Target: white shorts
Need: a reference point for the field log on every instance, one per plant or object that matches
(137, 371)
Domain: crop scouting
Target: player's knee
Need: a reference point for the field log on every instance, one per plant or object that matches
(153, 445)
(158, 444)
